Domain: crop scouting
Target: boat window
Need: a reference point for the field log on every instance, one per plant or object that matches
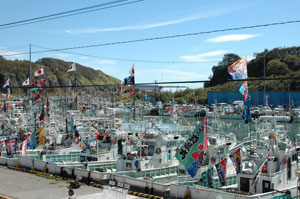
(266, 186)
(244, 184)
(181, 171)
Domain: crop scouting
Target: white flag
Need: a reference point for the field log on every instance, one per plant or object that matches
(39, 72)
(26, 82)
(131, 72)
(6, 83)
(72, 68)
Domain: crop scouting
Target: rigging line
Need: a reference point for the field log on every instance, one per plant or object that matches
(71, 14)
(65, 13)
(134, 60)
(162, 37)
(156, 83)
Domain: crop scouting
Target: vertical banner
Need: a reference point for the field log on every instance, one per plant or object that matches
(40, 138)
(191, 153)
(221, 169)
(11, 146)
(237, 160)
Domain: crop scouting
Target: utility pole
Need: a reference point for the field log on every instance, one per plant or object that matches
(30, 78)
(264, 80)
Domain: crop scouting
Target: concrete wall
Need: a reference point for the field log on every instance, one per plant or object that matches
(84, 175)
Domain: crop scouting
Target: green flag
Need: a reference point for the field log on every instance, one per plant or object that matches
(191, 153)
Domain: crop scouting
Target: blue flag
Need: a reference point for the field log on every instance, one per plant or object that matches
(75, 84)
(72, 126)
(32, 141)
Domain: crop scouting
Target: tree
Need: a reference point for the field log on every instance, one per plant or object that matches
(293, 62)
(276, 67)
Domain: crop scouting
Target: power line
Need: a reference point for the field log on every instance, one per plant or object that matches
(67, 13)
(156, 83)
(161, 38)
(133, 60)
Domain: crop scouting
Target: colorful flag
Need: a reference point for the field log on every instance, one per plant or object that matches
(129, 80)
(11, 146)
(32, 140)
(243, 89)
(37, 97)
(237, 160)
(221, 169)
(72, 67)
(26, 82)
(259, 171)
(6, 84)
(24, 147)
(34, 89)
(131, 71)
(238, 70)
(39, 72)
(128, 92)
(191, 153)
(40, 137)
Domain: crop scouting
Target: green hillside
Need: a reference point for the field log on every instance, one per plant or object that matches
(55, 73)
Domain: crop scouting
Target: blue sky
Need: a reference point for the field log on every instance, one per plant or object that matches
(146, 19)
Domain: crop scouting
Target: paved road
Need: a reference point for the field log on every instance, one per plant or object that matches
(20, 185)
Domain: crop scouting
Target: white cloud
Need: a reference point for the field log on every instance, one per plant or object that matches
(203, 15)
(233, 37)
(200, 57)
(107, 62)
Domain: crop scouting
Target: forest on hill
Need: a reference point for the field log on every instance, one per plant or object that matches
(278, 63)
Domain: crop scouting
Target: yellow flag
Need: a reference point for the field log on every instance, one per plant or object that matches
(40, 137)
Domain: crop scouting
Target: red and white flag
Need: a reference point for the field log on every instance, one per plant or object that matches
(26, 82)
(6, 83)
(24, 147)
(39, 72)
(72, 68)
(131, 72)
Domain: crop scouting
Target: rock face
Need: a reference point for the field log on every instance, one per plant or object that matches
(55, 73)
